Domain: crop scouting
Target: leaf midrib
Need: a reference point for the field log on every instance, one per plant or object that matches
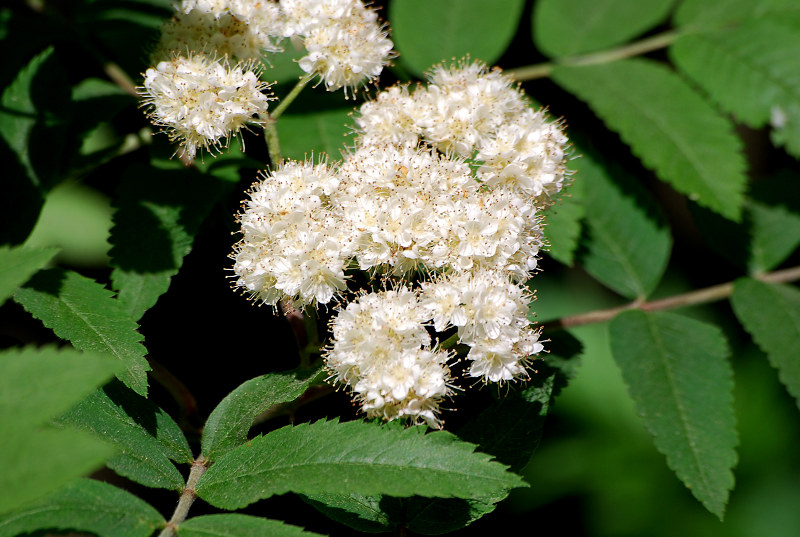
(681, 411)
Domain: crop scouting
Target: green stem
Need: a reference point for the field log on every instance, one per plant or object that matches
(273, 143)
(187, 498)
(270, 127)
(291, 96)
(693, 298)
(543, 70)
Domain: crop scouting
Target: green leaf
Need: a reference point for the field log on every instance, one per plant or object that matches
(146, 436)
(772, 224)
(671, 128)
(236, 525)
(452, 29)
(771, 314)
(37, 462)
(774, 234)
(568, 27)
(229, 423)
(704, 14)
(158, 214)
(352, 457)
(628, 243)
(82, 311)
(510, 430)
(563, 223)
(19, 264)
(39, 384)
(86, 506)
(748, 70)
(677, 372)
(304, 135)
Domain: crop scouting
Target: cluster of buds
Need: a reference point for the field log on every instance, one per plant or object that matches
(439, 202)
(206, 83)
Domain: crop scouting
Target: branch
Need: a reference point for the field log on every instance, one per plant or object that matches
(693, 298)
(543, 70)
(187, 498)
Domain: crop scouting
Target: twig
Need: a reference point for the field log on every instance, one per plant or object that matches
(693, 298)
(543, 70)
(187, 498)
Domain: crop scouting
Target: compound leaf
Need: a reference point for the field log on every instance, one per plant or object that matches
(510, 430)
(83, 312)
(352, 457)
(678, 375)
(669, 126)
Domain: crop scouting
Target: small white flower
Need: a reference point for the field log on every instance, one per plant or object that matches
(202, 102)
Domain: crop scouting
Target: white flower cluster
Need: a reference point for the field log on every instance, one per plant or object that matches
(383, 352)
(479, 115)
(200, 101)
(242, 30)
(346, 44)
(457, 238)
(201, 45)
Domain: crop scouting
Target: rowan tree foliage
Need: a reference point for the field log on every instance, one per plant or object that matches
(452, 212)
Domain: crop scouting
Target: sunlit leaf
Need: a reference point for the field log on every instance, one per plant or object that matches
(356, 457)
(39, 461)
(229, 423)
(39, 384)
(83, 312)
